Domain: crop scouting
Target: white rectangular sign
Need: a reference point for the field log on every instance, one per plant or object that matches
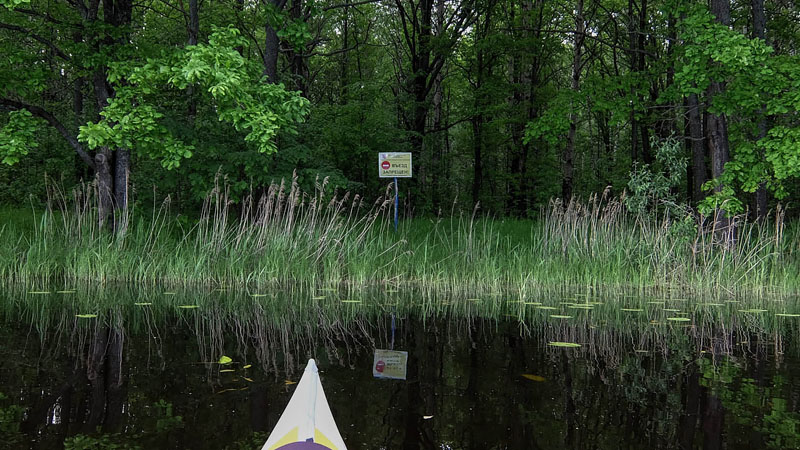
(389, 364)
(394, 165)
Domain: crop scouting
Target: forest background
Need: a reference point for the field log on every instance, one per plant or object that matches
(503, 103)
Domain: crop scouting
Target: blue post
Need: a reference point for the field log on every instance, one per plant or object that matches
(396, 193)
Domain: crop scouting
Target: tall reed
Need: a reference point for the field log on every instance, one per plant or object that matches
(286, 235)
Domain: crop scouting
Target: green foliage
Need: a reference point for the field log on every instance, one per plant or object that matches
(761, 406)
(167, 420)
(18, 136)
(651, 188)
(553, 124)
(100, 442)
(132, 118)
(758, 84)
(10, 419)
(11, 4)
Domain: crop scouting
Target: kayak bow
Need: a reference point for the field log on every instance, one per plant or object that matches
(307, 422)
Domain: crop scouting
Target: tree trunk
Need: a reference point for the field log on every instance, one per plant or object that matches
(271, 48)
(695, 126)
(567, 164)
(718, 125)
(297, 61)
(760, 32)
(194, 30)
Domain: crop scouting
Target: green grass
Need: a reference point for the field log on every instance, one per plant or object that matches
(293, 237)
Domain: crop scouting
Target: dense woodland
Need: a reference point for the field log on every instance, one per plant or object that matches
(505, 103)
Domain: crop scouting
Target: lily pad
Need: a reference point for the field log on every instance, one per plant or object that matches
(533, 377)
(558, 316)
(226, 370)
(225, 360)
(679, 319)
(563, 344)
(533, 303)
(188, 306)
(787, 315)
(39, 292)
(86, 316)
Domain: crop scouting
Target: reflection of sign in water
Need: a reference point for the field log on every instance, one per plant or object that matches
(394, 165)
(390, 364)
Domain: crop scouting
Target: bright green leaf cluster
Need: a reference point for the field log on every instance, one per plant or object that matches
(239, 96)
(18, 136)
(11, 4)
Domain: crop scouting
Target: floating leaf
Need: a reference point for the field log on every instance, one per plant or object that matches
(247, 379)
(671, 310)
(533, 303)
(169, 293)
(581, 307)
(188, 306)
(427, 417)
(258, 295)
(318, 297)
(533, 377)
(71, 291)
(142, 303)
(546, 307)
(641, 351)
(227, 370)
(391, 291)
(631, 310)
(557, 316)
(289, 382)
(679, 319)
(787, 315)
(564, 344)
(327, 289)
(351, 301)
(713, 304)
(38, 292)
(225, 360)
(753, 311)
(473, 299)
(86, 316)
(247, 366)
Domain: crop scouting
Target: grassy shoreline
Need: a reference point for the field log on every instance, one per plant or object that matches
(291, 237)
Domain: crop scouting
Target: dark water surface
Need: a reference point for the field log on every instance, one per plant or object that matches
(142, 373)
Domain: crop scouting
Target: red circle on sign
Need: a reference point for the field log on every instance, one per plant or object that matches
(386, 164)
(379, 366)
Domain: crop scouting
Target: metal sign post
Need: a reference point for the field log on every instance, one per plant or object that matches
(396, 201)
(395, 165)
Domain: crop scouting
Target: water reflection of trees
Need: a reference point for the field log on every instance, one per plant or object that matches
(630, 384)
